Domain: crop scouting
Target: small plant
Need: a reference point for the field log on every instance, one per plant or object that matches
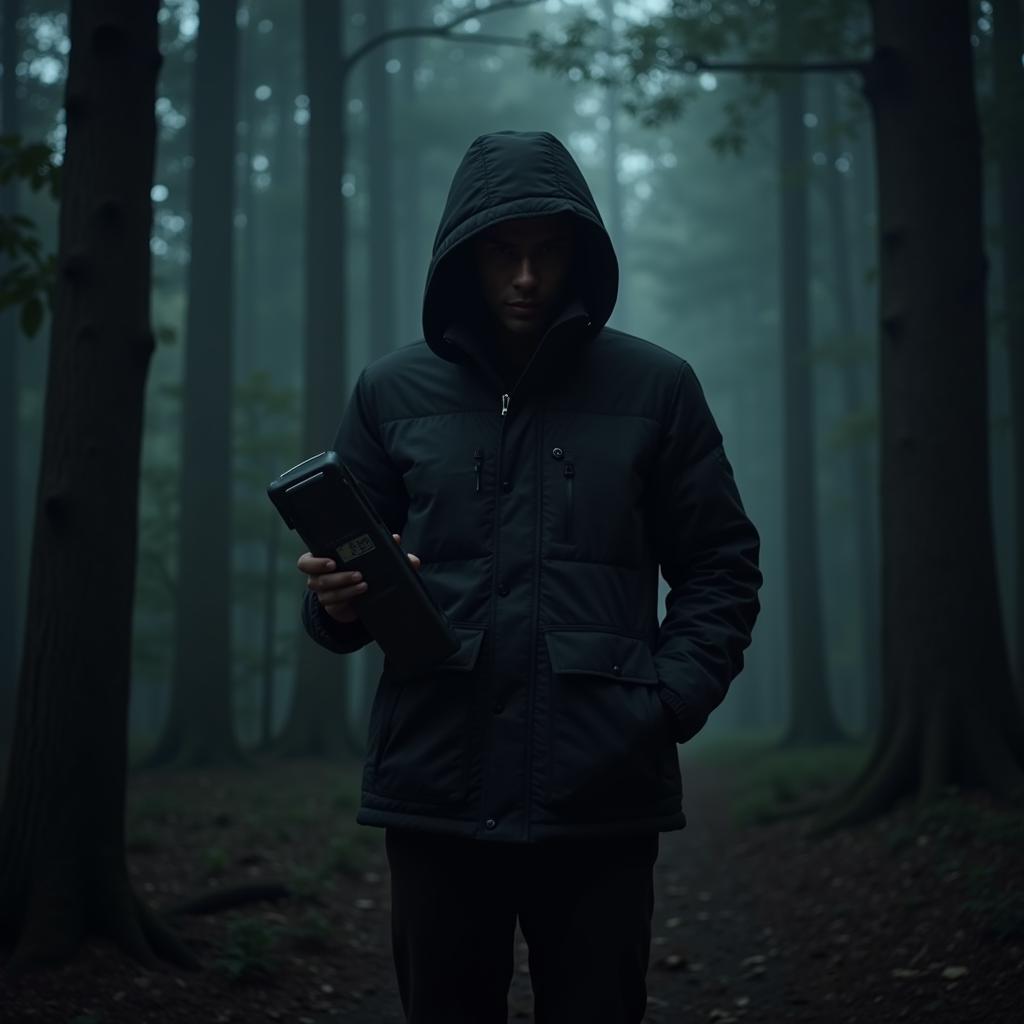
(312, 933)
(215, 860)
(346, 857)
(305, 885)
(249, 953)
(346, 800)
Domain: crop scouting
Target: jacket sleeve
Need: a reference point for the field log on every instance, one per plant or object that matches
(708, 552)
(359, 446)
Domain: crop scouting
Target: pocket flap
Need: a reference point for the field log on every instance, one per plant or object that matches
(625, 659)
(464, 659)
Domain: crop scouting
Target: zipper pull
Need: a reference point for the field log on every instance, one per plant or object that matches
(477, 459)
(504, 405)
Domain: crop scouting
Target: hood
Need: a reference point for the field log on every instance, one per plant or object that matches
(502, 176)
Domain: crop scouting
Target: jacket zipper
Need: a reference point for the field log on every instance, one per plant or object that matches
(504, 405)
(568, 472)
(478, 457)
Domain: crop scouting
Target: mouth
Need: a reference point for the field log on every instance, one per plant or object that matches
(523, 309)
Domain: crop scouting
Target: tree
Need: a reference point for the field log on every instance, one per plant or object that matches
(811, 718)
(200, 725)
(949, 713)
(1007, 42)
(62, 863)
(316, 721)
(8, 397)
(850, 326)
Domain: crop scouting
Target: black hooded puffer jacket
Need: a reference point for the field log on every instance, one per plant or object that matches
(541, 515)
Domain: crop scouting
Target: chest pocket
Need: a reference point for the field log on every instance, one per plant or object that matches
(595, 478)
(447, 466)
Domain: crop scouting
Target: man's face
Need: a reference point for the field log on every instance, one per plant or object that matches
(524, 265)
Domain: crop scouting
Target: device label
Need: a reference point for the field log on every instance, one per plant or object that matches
(353, 549)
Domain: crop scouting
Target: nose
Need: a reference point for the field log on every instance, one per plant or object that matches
(526, 275)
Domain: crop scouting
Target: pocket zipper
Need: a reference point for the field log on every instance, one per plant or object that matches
(568, 472)
(478, 457)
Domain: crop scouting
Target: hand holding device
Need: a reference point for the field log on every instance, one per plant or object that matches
(336, 591)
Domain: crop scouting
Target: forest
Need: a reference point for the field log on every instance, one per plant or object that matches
(214, 214)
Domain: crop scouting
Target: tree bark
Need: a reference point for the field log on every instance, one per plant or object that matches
(616, 222)
(864, 592)
(63, 875)
(317, 720)
(272, 556)
(411, 254)
(1007, 42)
(811, 718)
(10, 339)
(200, 725)
(949, 716)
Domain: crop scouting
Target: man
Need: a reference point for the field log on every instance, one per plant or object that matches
(543, 466)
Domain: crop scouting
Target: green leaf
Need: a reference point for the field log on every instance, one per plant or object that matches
(31, 316)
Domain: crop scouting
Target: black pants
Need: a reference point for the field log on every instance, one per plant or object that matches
(584, 907)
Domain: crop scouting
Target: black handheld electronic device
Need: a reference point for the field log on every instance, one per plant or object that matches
(323, 502)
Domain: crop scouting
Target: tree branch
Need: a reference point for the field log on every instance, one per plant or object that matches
(441, 32)
(691, 65)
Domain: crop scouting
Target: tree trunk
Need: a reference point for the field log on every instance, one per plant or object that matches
(865, 251)
(811, 718)
(200, 725)
(411, 254)
(1007, 42)
(950, 716)
(616, 223)
(273, 544)
(10, 339)
(317, 721)
(382, 240)
(63, 874)
(249, 287)
(850, 328)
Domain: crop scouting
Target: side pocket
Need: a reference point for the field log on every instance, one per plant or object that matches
(426, 728)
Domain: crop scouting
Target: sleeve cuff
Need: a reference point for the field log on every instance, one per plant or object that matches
(686, 722)
(340, 637)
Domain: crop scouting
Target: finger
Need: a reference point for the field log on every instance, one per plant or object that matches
(415, 561)
(398, 538)
(332, 581)
(335, 597)
(307, 563)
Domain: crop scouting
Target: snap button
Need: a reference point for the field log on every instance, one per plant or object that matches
(506, 485)
(503, 589)
(557, 453)
(617, 669)
(490, 823)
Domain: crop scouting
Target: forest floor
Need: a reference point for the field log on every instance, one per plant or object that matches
(916, 917)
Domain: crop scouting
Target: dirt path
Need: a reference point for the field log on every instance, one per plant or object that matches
(907, 919)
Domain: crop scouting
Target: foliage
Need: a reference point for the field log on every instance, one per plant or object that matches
(250, 952)
(312, 933)
(28, 282)
(215, 860)
(346, 857)
(960, 827)
(657, 58)
(767, 780)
